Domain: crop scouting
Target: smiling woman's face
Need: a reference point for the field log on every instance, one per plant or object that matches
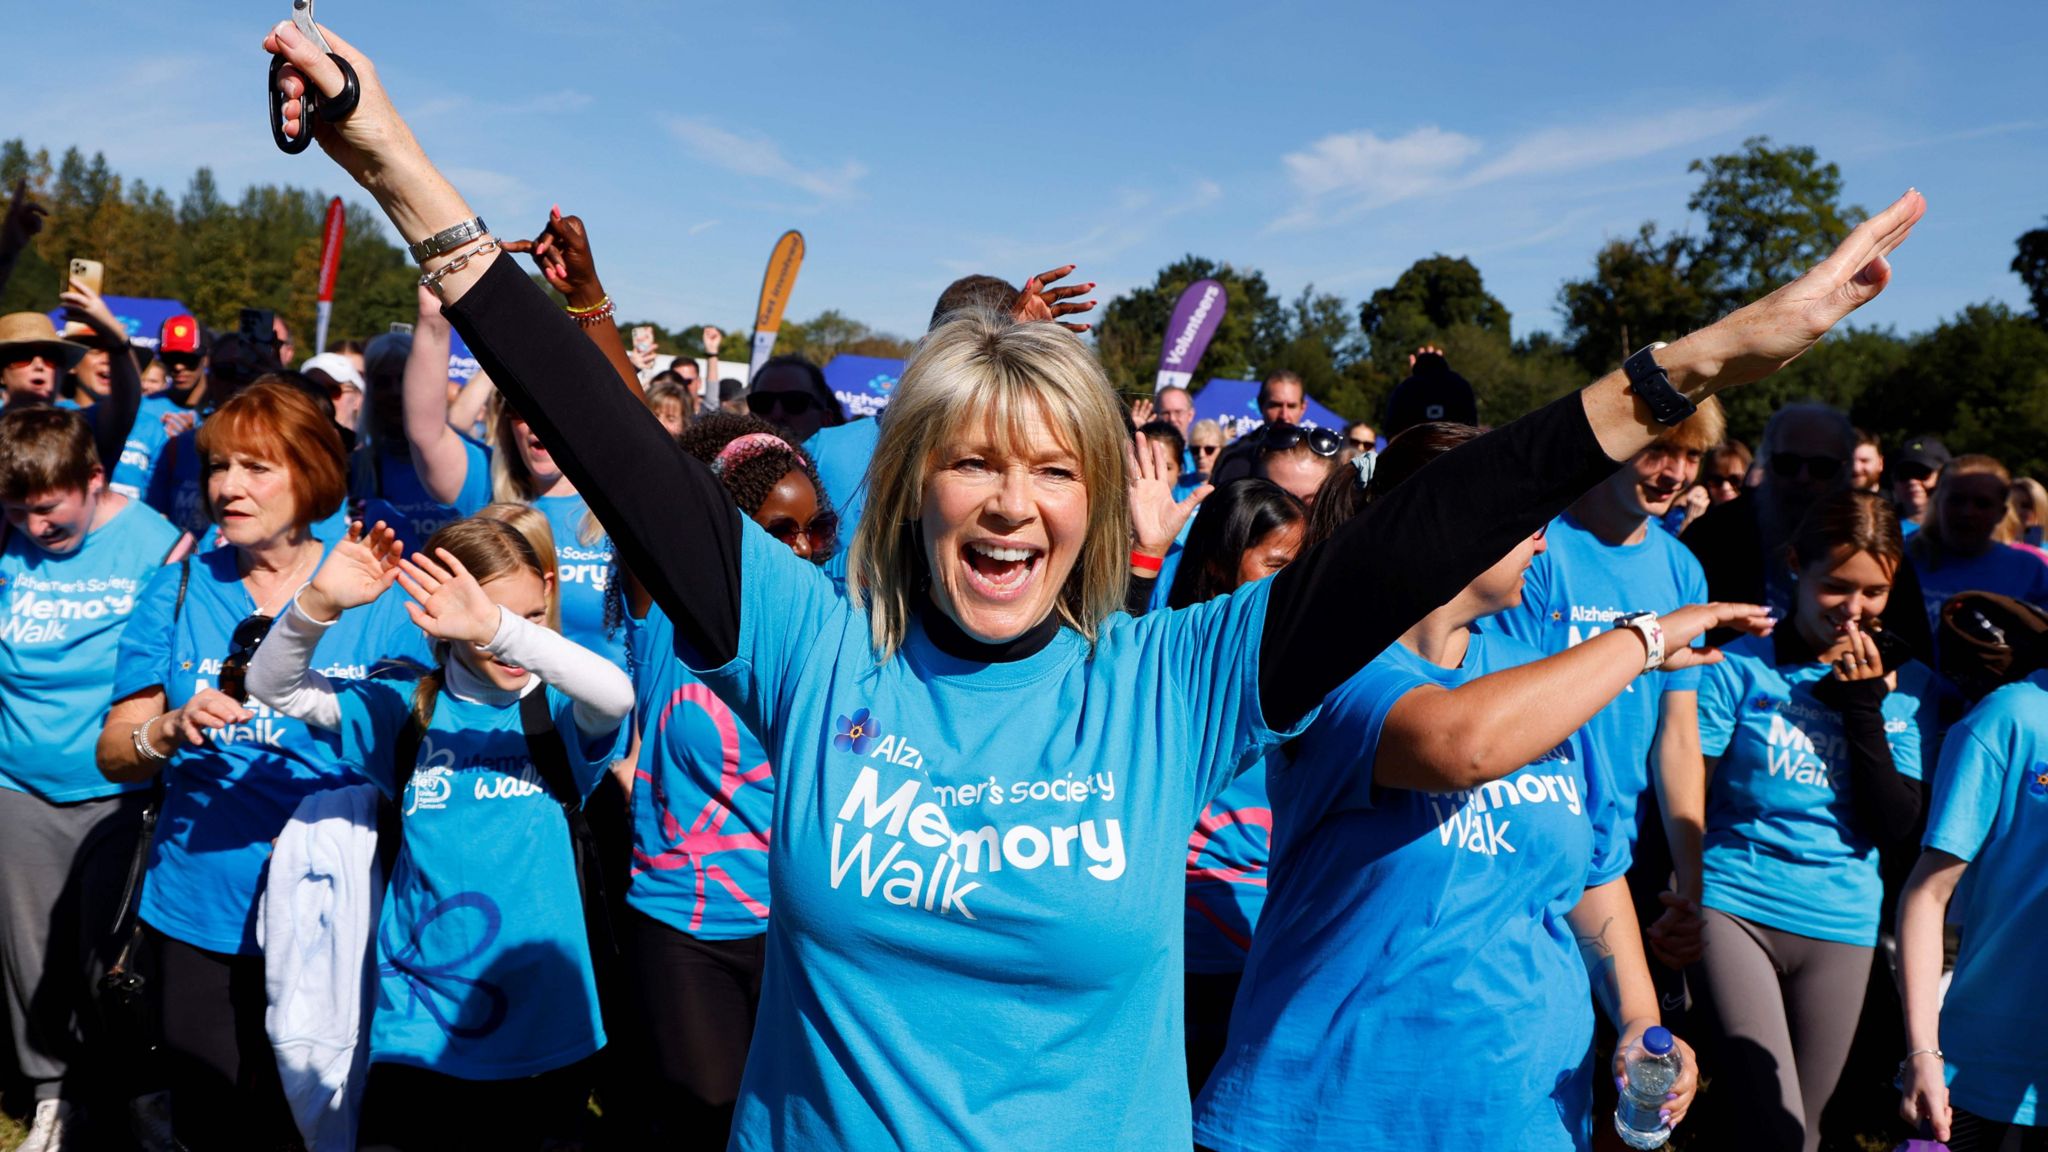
(1002, 522)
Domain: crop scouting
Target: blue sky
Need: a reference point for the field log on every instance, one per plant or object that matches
(1324, 143)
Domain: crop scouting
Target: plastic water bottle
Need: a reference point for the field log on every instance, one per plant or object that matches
(1652, 1068)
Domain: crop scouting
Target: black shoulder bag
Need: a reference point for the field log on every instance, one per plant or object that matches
(123, 991)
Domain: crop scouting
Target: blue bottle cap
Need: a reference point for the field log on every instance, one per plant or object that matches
(1656, 1041)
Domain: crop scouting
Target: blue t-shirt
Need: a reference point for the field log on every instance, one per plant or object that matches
(1574, 590)
(1227, 857)
(175, 487)
(1781, 848)
(483, 964)
(583, 573)
(145, 441)
(57, 646)
(841, 453)
(978, 870)
(2001, 568)
(398, 484)
(1414, 982)
(703, 797)
(225, 802)
(1990, 807)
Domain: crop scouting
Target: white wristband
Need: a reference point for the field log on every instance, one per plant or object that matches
(1651, 630)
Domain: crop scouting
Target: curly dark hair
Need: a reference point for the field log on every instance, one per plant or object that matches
(754, 478)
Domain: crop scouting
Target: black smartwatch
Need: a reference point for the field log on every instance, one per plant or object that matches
(1649, 381)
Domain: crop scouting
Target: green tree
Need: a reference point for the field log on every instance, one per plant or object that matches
(1769, 215)
(828, 334)
(1424, 304)
(1132, 327)
(1647, 287)
(2031, 265)
(1326, 351)
(1979, 380)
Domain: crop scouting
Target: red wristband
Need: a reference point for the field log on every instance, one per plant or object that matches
(1150, 564)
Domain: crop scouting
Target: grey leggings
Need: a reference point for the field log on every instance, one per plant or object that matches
(1780, 1011)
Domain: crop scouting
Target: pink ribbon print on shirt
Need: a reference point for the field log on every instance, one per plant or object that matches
(1199, 869)
(706, 837)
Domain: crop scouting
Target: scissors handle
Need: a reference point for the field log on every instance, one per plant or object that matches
(332, 109)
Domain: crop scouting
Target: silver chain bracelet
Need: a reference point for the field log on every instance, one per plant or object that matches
(432, 280)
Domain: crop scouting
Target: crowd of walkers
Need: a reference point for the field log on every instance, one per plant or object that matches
(564, 756)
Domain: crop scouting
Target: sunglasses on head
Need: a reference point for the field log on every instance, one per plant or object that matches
(1280, 436)
(1789, 466)
(234, 671)
(788, 403)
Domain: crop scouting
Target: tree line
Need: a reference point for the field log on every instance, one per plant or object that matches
(1978, 379)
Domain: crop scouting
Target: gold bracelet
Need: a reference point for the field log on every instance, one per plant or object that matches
(593, 310)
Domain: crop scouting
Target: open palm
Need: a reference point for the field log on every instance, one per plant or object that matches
(448, 602)
(1156, 517)
(359, 568)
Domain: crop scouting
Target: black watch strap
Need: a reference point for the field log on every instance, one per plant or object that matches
(1648, 380)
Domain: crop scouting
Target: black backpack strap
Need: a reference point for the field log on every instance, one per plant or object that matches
(405, 760)
(545, 748)
(550, 757)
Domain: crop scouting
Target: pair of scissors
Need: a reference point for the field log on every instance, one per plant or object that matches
(328, 108)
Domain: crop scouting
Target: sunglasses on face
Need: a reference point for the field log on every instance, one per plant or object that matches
(1917, 473)
(1731, 480)
(820, 532)
(234, 671)
(788, 403)
(1279, 437)
(1791, 465)
(1361, 445)
(1207, 449)
(179, 362)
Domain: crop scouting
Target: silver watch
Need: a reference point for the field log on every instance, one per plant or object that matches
(447, 239)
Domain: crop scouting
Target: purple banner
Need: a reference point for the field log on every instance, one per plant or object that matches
(1194, 323)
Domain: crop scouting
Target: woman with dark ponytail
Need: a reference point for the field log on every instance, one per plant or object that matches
(702, 798)
(1447, 870)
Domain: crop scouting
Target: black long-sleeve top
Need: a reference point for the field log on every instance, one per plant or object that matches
(1329, 612)
(1885, 804)
(114, 417)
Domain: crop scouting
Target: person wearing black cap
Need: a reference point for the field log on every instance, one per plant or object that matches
(1431, 393)
(1914, 472)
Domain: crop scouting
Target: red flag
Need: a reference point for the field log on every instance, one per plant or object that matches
(330, 249)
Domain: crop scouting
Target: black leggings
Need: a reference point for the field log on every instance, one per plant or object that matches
(1968, 1133)
(225, 1092)
(697, 1000)
(413, 1109)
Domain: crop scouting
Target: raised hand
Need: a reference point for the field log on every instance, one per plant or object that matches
(1425, 350)
(562, 253)
(450, 604)
(1691, 622)
(359, 569)
(1156, 517)
(24, 219)
(369, 141)
(85, 304)
(1764, 336)
(713, 339)
(1141, 411)
(1041, 301)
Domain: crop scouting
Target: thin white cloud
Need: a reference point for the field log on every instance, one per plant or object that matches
(702, 226)
(1342, 175)
(760, 157)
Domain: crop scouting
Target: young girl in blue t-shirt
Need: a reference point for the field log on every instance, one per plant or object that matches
(487, 1002)
(1813, 742)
